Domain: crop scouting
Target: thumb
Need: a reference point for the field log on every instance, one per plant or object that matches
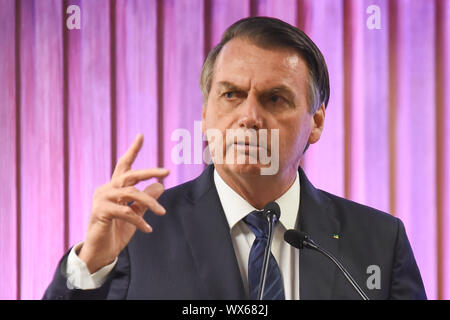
(154, 190)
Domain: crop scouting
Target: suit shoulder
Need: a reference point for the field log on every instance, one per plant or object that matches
(348, 209)
(179, 192)
(364, 228)
(190, 191)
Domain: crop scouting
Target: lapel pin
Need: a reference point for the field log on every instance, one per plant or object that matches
(335, 236)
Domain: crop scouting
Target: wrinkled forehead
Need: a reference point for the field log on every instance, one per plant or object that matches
(241, 60)
(243, 46)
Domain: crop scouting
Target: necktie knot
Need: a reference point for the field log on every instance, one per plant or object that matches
(257, 222)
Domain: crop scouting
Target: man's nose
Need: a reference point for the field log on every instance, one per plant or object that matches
(250, 116)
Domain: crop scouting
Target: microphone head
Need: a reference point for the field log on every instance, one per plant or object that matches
(295, 238)
(272, 208)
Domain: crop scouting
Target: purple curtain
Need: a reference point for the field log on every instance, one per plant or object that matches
(72, 101)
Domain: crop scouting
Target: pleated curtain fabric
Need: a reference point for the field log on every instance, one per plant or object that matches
(73, 100)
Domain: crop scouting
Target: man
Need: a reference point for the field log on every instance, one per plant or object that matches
(263, 75)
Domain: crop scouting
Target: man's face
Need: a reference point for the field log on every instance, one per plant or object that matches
(257, 88)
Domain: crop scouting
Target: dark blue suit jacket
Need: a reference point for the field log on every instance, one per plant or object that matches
(190, 254)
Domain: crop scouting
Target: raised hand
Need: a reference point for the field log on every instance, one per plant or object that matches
(113, 222)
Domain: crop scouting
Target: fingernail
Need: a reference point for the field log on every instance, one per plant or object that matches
(148, 228)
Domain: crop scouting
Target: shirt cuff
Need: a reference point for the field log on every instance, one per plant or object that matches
(78, 275)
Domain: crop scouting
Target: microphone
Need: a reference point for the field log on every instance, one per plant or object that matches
(300, 240)
(271, 213)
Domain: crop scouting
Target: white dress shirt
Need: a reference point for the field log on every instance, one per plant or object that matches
(235, 208)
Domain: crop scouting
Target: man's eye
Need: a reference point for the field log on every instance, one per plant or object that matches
(275, 98)
(278, 101)
(229, 95)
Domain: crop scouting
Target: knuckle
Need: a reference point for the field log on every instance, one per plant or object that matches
(103, 215)
(127, 210)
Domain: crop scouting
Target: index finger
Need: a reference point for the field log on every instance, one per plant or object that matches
(125, 162)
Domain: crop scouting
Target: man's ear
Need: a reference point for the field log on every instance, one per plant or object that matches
(203, 119)
(318, 121)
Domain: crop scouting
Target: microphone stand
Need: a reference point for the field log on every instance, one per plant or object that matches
(271, 219)
(311, 244)
(299, 240)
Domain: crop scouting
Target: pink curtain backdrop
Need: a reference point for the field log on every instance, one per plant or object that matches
(72, 101)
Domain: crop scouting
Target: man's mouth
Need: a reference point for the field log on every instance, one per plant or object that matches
(244, 143)
(248, 145)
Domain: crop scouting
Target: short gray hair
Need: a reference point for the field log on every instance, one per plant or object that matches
(274, 33)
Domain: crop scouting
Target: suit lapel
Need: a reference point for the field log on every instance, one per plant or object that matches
(317, 218)
(208, 235)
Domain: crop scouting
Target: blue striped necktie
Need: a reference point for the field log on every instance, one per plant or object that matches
(273, 289)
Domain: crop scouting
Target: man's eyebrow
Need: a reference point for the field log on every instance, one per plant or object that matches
(227, 85)
(281, 89)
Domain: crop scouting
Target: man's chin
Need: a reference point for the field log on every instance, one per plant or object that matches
(242, 169)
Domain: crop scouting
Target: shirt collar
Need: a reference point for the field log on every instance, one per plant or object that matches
(236, 207)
